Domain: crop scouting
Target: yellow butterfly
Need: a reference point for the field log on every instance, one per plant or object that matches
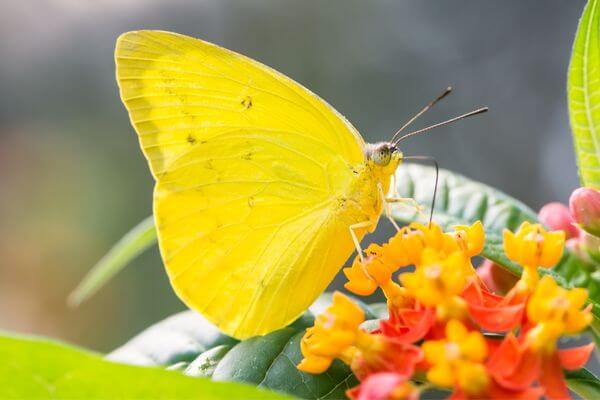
(262, 190)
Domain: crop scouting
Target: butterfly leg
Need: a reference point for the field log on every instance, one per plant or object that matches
(352, 228)
(387, 209)
(405, 201)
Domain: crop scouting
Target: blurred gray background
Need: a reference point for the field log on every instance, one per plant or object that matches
(73, 180)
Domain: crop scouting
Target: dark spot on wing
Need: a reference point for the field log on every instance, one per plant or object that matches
(191, 139)
(247, 102)
(248, 156)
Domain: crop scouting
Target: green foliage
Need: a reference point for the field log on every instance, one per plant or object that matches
(268, 361)
(585, 384)
(463, 201)
(140, 238)
(459, 200)
(34, 368)
(181, 337)
(583, 88)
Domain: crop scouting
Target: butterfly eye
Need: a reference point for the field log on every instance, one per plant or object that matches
(382, 155)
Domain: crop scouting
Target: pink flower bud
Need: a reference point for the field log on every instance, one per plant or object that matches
(557, 217)
(496, 278)
(585, 209)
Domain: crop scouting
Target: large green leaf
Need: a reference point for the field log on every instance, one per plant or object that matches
(181, 337)
(270, 361)
(464, 201)
(135, 242)
(583, 88)
(39, 369)
(189, 343)
(459, 200)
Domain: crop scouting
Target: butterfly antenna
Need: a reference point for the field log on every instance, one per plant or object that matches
(437, 176)
(449, 121)
(427, 107)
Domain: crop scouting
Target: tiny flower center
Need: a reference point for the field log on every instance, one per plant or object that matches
(433, 272)
(452, 351)
(560, 303)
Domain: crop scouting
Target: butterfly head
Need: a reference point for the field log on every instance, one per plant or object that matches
(383, 153)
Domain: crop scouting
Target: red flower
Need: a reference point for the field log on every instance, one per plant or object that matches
(408, 325)
(386, 355)
(516, 366)
(492, 312)
(497, 392)
(384, 386)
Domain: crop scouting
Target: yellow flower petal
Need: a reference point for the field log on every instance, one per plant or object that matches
(472, 378)
(314, 364)
(455, 331)
(510, 245)
(552, 249)
(441, 375)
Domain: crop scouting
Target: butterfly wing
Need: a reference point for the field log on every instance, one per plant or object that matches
(249, 169)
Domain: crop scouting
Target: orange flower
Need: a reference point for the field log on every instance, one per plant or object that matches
(532, 246)
(515, 366)
(492, 312)
(437, 282)
(457, 361)
(406, 248)
(555, 311)
(333, 335)
(359, 280)
(408, 324)
(470, 239)
(379, 353)
(337, 334)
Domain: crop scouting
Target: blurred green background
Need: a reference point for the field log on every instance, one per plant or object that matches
(73, 180)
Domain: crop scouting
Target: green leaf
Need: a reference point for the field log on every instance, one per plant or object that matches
(583, 88)
(34, 368)
(270, 362)
(464, 201)
(594, 331)
(206, 363)
(181, 337)
(187, 342)
(135, 242)
(459, 200)
(584, 384)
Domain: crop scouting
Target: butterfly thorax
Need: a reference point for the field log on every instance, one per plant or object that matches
(371, 185)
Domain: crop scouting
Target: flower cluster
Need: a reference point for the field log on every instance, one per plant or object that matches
(446, 328)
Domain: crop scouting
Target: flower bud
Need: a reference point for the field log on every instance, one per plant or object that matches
(590, 245)
(557, 217)
(496, 278)
(585, 209)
